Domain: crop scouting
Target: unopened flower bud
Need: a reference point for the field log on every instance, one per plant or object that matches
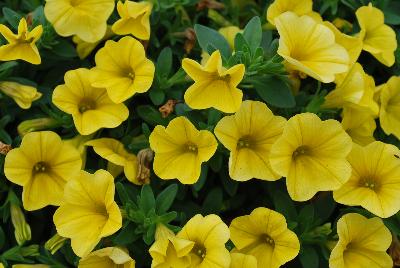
(35, 125)
(55, 243)
(22, 229)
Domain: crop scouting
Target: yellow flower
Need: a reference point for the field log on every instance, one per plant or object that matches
(90, 107)
(111, 257)
(84, 48)
(42, 165)
(214, 85)
(362, 243)
(22, 45)
(123, 69)
(311, 154)
(85, 18)
(389, 115)
(245, 136)
(264, 234)
(135, 19)
(310, 47)
(79, 143)
(180, 149)
(240, 260)
(87, 215)
(342, 24)
(23, 95)
(352, 44)
(359, 125)
(378, 38)
(229, 33)
(375, 181)
(278, 7)
(209, 235)
(115, 152)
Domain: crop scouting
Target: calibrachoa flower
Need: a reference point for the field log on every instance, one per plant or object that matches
(180, 149)
(135, 19)
(21, 45)
(115, 152)
(310, 47)
(362, 243)
(85, 48)
(264, 234)
(90, 107)
(209, 235)
(123, 69)
(359, 124)
(249, 135)
(375, 180)
(111, 257)
(240, 260)
(378, 38)
(87, 215)
(214, 85)
(311, 154)
(85, 18)
(389, 115)
(42, 165)
(278, 7)
(23, 95)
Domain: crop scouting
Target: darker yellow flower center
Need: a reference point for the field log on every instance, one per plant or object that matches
(40, 167)
(243, 143)
(74, 3)
(86, 105)
(191, 147)
(199, 250)
(266, 238)
(369, 183)
(301, 150)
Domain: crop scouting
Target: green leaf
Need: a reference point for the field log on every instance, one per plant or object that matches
(202, 180)
(253, 33)
(147, 200)
(213, 201)
(167, 217)
(309, 257)
(274, 91)
(230, 186)
(12, 17)
(152, 116)
(240, 42)
(207, 36)
(126, 236)
(283, 204)
(306, 217)
(64, 49)
(157, 96)
(166, 198)
(122, 194)
(164, 63)
(2, 238)
(6, 69)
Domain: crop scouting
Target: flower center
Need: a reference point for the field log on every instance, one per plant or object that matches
(40, 167)
(199, 250)
(74, 3)
(191, 147)
(301, 150)
(369, 183)
(268, 239)
(86, 105)
(243, 143)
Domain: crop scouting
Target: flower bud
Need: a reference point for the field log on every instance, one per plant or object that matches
(23, 95)
(55, 243)
(35, 125)
(22, 229)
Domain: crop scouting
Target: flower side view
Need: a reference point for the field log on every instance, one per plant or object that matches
(21, 45)
(249, 135)
(214, 86)
(375, 179)
(362, 243)
(90, 107)
(85, 18)
(123, 69)
(359, 125)
(209, 235)
(23, 95)
(264, 235)
(135, 19)
(311, 154)
(389, 115)
(111, 257)
(180, 149)
(278, 7)
(42, 165)
(86, 216)
(310, 47)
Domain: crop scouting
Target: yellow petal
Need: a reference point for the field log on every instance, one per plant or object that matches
(278, 7)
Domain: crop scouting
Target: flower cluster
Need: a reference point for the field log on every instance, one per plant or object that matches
(277, 144)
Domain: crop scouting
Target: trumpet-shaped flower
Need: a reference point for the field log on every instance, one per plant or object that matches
(278, 7)
(249, 135)
(123, 69)
(42, 165)
(375, 180)
(209, 235)
(310, 47)
(21, 45)
(362, 243)
(240, 260)
(23, 95)
(359, 125)
(264, 235)
(87, 215)
(111, 257)
(135, 19)
(90, 107)
(389, 115)
(311, 154)
(115, 152)
(378, 38)
(85, 18)
(214, 86)
(180, 149)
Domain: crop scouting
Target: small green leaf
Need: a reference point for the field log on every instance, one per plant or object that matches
(274, 91)
(213, 201)
(147, 200)
(164, 63)
(12, 17)
(126, 236)
(253, 33)
(207, 36)
(64, 49)
(149, 114)
(166, 198)
(202, 180)
(122, 194)
(309, 257)
(157, 96)
(240, 42)
(283, 204)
